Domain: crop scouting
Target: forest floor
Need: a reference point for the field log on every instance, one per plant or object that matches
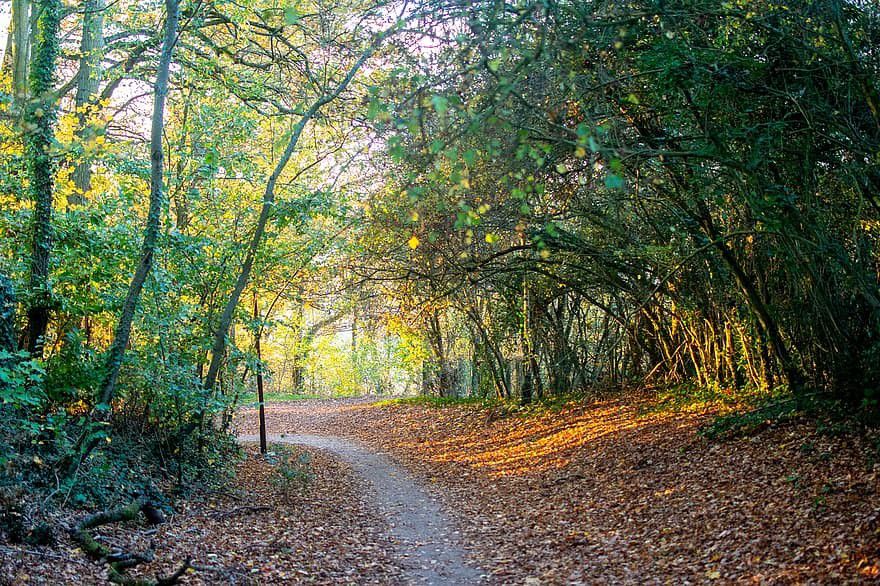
(261, 529)
(617, 491)
(624, 491)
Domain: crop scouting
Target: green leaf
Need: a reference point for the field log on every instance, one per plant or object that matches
(291, 15)
(440, 103)
(613, 181)
(470, 157)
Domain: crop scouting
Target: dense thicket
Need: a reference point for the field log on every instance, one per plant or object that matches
(653, 191)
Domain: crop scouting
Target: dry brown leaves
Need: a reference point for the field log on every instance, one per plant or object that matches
(257, 532)
(617, 492)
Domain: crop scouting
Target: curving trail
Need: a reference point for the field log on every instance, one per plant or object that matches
(425, 538)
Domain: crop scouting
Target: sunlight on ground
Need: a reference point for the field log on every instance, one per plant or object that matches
(537, 445)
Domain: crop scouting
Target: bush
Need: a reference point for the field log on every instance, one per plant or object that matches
(21, 396)
(293, 470)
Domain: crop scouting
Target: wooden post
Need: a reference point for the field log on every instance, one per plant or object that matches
(261, 404)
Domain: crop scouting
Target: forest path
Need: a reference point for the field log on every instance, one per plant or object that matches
(425, 538)
(622, 490)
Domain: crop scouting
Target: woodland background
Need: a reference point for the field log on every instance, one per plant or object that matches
(509, 200)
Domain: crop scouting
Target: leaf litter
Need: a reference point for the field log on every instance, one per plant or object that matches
(260, 530)
(619, 491)
(610, 492)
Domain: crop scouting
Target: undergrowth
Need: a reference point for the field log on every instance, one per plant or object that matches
(737, 412)
(292, 468)
(54, 450)
(830, 416)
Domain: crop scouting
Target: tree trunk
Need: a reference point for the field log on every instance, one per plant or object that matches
(39, 123)
(151, 232)
(87, 84)
(21, 28)
(793, 375)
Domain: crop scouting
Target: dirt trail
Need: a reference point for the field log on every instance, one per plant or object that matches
(425, 538)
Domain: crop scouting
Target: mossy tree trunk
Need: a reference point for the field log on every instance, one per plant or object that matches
(151, 232)
(39, 124)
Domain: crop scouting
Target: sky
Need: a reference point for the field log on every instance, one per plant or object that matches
(5, 16)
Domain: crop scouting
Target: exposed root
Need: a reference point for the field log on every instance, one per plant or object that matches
(119, 562)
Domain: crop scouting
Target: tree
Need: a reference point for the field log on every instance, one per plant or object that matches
(39, 124)
(88, 83)
(21, 45)
(326, 94)
(151, 231)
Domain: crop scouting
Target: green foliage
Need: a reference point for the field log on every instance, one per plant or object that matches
(683, 397)
(74, 373)
(21, 380)
(249, 399)
(293, 469)
(380, 364)
(831, 416)
(739, 424)
(21, 399)
(571, 197)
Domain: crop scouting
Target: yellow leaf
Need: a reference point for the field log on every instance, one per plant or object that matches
(413, 242)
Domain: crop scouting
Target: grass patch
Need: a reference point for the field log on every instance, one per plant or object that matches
(746, 423)
(507, 407)
(250, 399)
(693, 397)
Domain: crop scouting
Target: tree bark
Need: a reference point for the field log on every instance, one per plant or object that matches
(39, 124)
(260, 397)
(151, 232)
(21, 16)
(87, 84)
